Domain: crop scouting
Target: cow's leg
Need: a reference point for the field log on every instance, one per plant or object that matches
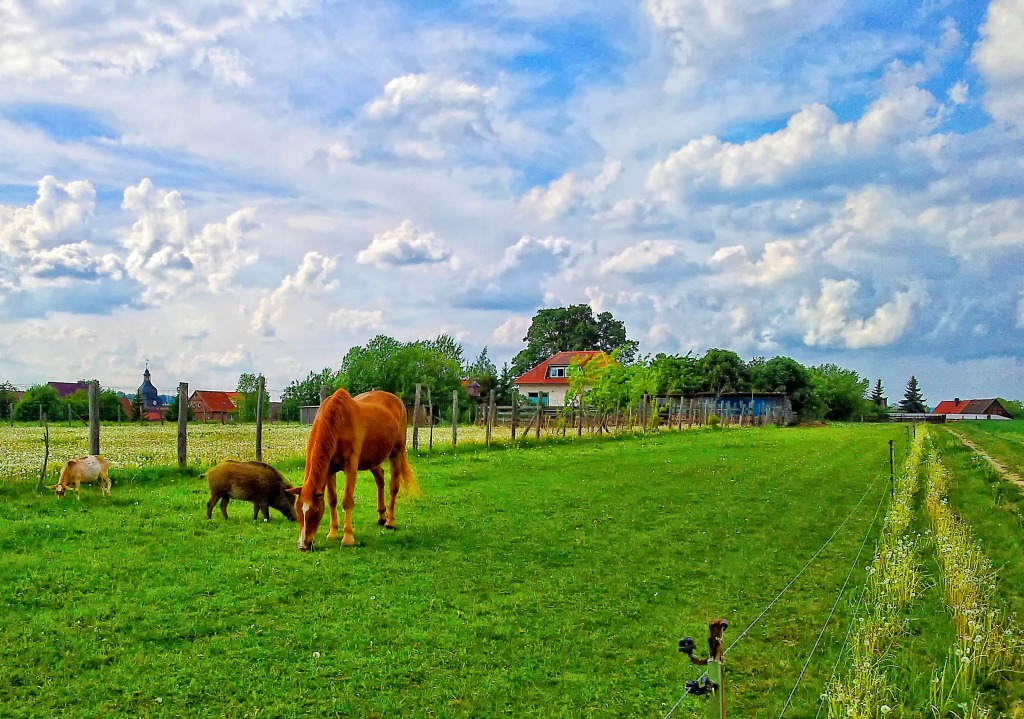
(348, 501)
(393, 488)
(209, 506)
(378, 477)
(332, 503)
(224, 506)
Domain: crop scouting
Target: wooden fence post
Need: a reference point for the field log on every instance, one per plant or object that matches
(489, 421)
(182, 424)
(261, 384)
(455, 417)
(416, 419)
(94, 417)
(540, 411)
(430, 419)
(46, 455)
(515, 413)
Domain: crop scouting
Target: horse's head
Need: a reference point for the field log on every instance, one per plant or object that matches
(309, 510)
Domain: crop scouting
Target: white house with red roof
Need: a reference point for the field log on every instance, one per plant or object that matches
(971, 409)
(548, 382)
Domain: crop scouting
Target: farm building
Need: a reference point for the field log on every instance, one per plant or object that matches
(213, 406)
(956, 409)
(774, 407)
(548, 382)
(66, 389)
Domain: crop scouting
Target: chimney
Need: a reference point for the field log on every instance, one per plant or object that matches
(956, 400)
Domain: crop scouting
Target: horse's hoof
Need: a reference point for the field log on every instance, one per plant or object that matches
(332, 535)
(389, 526)
(348, 541)
(382, 520)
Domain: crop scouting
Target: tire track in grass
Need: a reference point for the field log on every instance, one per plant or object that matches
(1001, 468)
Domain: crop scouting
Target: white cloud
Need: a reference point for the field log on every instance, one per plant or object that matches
(779, 260)
(310, 279)
(355, 320)
(812, 138)
(404, 245)
(999, 57)
(703, 35)
(166, 257)
(562, 194)
(641, 257)
(510, 333)
(828, 323)
(46, 242)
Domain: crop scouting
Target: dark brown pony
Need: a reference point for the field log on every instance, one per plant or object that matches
(351, 434)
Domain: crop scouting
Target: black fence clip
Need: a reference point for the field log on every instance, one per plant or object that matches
(701, 687)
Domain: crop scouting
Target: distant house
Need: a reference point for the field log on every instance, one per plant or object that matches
(214, 406)
(971, 409)
(548, 382)
(66, 389)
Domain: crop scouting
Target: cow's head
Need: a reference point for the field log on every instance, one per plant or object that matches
(309, 510)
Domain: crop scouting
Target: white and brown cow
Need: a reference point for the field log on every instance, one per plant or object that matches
(83, 470)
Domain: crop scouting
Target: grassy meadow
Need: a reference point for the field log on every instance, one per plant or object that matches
(549, 580)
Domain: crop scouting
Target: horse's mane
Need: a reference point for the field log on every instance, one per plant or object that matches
(334, 414)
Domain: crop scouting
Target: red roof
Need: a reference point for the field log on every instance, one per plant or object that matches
(948, 406)
(205, 400)
(539, 374)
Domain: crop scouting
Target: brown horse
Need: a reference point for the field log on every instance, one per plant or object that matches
(350, 434)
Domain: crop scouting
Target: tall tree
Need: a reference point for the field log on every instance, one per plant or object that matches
(782, 374)
(171, 412)
(306, 392)
(41, 397)
(722, 371)
(912, 400)
(878, 394)
(836, 393)
(387, 364)
(8, 398)
(574, 328)
(248, 386)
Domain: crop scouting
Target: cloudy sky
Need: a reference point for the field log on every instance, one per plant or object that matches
(227, 187)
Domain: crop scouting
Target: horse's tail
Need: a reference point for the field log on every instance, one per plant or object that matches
(406, 475)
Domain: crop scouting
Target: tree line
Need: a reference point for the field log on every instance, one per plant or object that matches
(825, 391)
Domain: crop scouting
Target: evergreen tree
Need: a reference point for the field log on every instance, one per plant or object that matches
(912, 400)
(137, 406)
(878, 394)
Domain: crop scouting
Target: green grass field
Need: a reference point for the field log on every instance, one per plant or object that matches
(549, 581)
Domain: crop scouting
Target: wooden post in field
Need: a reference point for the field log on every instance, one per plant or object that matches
(182, 424)
(325, 392)
(579, 420)
(491, 411)
(416, 418)
(46, 455)
(515, 414)
(261, 384)
(94, 417)
(430, 420)
(455, 417)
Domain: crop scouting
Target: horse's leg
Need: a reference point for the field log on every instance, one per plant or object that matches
(393, 487)
(347, 502)
(378, 477)
(332, 502)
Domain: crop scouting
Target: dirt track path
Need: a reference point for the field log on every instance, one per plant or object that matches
(996, 464)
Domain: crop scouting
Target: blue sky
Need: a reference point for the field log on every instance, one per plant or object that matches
(259, 186)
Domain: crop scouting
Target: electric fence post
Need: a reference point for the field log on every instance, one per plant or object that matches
(892, 470)
(712, 683)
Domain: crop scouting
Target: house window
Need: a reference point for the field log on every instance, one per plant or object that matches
(556, 371)
(538, 397)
